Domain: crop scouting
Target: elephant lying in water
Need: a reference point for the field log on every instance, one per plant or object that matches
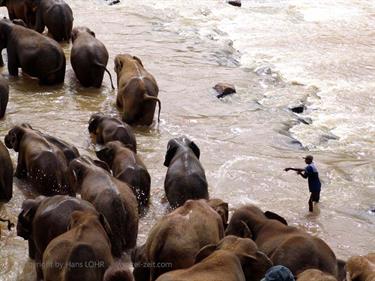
(111, 197)
(52, 213)
(137, 91)
(129, 168)
(185, 178)
(176, 239)
(89, 58)
(37, 55)
(285, 245)
(6, 175)
(104, 129)
(232, 259)
(81, 253)
(40, 161)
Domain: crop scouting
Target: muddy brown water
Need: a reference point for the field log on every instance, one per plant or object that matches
(246, 140)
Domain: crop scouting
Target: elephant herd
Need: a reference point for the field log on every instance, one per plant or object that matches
(84, 223)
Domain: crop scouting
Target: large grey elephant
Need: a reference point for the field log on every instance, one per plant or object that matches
(37, 55)
(6, 175)
(137, 91)
(185, 178)
(285, 245)
(46, 213)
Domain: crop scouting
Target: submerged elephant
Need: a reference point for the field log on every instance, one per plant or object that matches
(52, 213)
(81, 253)
(128, 167)
(185, 178)
(56, 15)
(176, 239)
(89, 58)
(285, 245)
(40, 162)
(104, 129)
(137, 91)
(37, 55)
(111, 197)
(20, 9)
(361, 268)
(6, 175)
(232, 259)
(4, 96)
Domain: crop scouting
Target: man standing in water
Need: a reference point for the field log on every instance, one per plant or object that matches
(311, 173)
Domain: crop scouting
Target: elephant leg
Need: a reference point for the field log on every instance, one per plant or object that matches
(38, 266)
(12, 62)
(39, 25)
(21, 171)
(32, 249)
(1, 60)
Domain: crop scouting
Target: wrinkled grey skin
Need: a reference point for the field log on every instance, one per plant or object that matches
(285, 245)
(46, 213)
(111, 197)
(128, 167)
(20, 10)
(4, 95)
(56, 15)
(89, 58)
(185, 177)
(104, 129)
(37, 55)
(6, 175)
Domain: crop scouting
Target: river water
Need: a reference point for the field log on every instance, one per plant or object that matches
(278, 54)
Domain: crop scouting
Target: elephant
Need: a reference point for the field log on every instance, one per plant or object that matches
(185, 178)
(315, 275)
(37, 55)
(175, 240)
(111, 197)
(118, 271)
(4, 96)
(56, 15)
(81, 253)
(6, 175)
(232, 259)
(129, 168)
(40, 162)
(361, 268)
(221, 208)
(20, 9)
(137, 91)
(104, 129)
(89, 58)
(285, 245)
(52, 213)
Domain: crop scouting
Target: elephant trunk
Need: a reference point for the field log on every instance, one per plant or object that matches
(148, 97)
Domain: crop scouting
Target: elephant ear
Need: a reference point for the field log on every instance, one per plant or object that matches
(205, 252)
(138, 60)
(171, 151)
(74, 218)
(107, 228)
(12, 140)
(118, 64)
(245, 230)
(273, 216)
(102, 165)
(106, 154)
(195, 149)
(94, 122)
(26, 217)
(255, 266)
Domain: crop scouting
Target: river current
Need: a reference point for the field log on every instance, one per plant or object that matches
(278, 54)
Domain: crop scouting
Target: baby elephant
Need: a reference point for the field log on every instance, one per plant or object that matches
(104, 129)
(4, 96)
(89, 58)
(185, 177)
(37, 55)
(137, 91)
(128, 167)
(81, 253)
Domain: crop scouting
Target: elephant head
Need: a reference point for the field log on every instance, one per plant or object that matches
(247, 220)
(94, 121)
(14, 136)
(253, 262)
(180, 143)
(221, 208)
(79, 30)
(26, 217)
(107, 154)
(79, 167)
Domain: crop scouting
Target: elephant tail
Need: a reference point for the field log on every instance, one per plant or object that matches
(106, 70)
(83, 264)
(118, 271)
